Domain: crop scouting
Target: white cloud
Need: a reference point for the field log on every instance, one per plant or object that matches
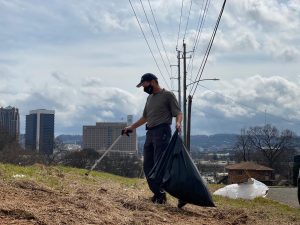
(84, 58)
(265, 28)
(76, 106)
(248, 99)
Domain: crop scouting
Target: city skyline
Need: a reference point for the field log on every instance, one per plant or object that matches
(83, 59)
(140, 131)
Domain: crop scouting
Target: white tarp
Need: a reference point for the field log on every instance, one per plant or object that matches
(247, 190)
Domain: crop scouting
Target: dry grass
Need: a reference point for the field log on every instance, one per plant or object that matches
(59, 195)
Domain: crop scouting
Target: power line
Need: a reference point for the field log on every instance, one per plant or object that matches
(148, 43)
(179, 24)
(187, 22)
(200, 24)
(249, 107)
(155, 39)
(200, 71)
(159, 33)
(161, 40)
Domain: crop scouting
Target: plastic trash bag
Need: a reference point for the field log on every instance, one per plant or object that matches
(177, 174)
(247, 190)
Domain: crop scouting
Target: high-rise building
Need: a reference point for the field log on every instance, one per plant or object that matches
(129, 120)
(10, 121)
(101, 137)
(40, 131)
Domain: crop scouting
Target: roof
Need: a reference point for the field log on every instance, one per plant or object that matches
(248, 166)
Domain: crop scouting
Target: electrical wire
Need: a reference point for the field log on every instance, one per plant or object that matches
(160, 37)
(187, 21)
(202, 66)
(155, 39)
(200, 24)
(163, 44)
(148, 43)
(247, 106)
(179, 24)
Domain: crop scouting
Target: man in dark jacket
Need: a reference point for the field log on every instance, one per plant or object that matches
(160, 108)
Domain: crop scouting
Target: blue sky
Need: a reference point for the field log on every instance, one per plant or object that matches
(84, 58)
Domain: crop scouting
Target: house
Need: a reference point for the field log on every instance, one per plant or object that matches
(240, 172)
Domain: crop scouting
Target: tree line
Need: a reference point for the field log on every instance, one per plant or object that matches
(267, 145)
(119, 164)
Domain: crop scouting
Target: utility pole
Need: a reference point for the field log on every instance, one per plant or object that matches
(189, 116)
(179, 82)
(188, 138)
(184, 92)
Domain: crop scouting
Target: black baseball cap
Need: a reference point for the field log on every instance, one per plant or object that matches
(146, 77)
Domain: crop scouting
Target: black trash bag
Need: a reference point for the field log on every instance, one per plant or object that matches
(298, 182)
(177, 174)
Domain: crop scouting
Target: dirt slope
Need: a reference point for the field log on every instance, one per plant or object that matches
(75, 199)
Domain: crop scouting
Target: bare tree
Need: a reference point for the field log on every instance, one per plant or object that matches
(270, 143)
(243, 148)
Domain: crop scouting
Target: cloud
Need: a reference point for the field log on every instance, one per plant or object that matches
(61, 78)
(247, 103)
(76, 106)
(84, 58)
(249, 27)
(92, 81)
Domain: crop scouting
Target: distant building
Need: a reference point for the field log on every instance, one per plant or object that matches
(10, 121)
(129, 119)
(40, 131)
(101, 137)
(240, 172)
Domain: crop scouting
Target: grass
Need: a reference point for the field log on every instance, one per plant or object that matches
(264, 206)
(58, 177)
(53, 176)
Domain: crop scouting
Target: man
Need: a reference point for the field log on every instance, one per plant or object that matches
(160, 108)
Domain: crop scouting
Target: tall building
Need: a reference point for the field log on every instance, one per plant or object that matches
(10, 121)
(101, 136)
(40, 131)
(129, 119)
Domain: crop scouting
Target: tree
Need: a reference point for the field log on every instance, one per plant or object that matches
(243, 149)
(268, 146)
(6, 139)
(269, 143)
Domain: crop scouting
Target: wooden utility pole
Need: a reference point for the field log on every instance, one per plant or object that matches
(179, 82)
(184, 92)
(189, 118)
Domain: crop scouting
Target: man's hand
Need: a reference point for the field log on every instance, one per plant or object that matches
(127, 130)
(178, 127)
(178, 122)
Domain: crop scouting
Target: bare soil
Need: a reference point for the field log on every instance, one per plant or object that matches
(27, 202)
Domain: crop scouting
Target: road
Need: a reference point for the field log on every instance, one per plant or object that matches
(284, 195)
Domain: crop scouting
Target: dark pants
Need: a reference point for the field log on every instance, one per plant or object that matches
(157, 140)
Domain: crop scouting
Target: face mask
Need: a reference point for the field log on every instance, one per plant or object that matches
(148, 89)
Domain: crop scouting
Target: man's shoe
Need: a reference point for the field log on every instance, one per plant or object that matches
(159, 199)
(181, 204)
(153, 198)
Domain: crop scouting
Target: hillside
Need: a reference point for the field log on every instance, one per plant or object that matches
(59, 195)
(211, 142)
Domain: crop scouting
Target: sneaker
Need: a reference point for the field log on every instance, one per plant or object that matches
(181, 204)
(159, 199)
(153, 198)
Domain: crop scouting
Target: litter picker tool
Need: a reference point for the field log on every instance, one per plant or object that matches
(110, 148)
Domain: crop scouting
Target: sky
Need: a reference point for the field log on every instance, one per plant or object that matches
(83, 59)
